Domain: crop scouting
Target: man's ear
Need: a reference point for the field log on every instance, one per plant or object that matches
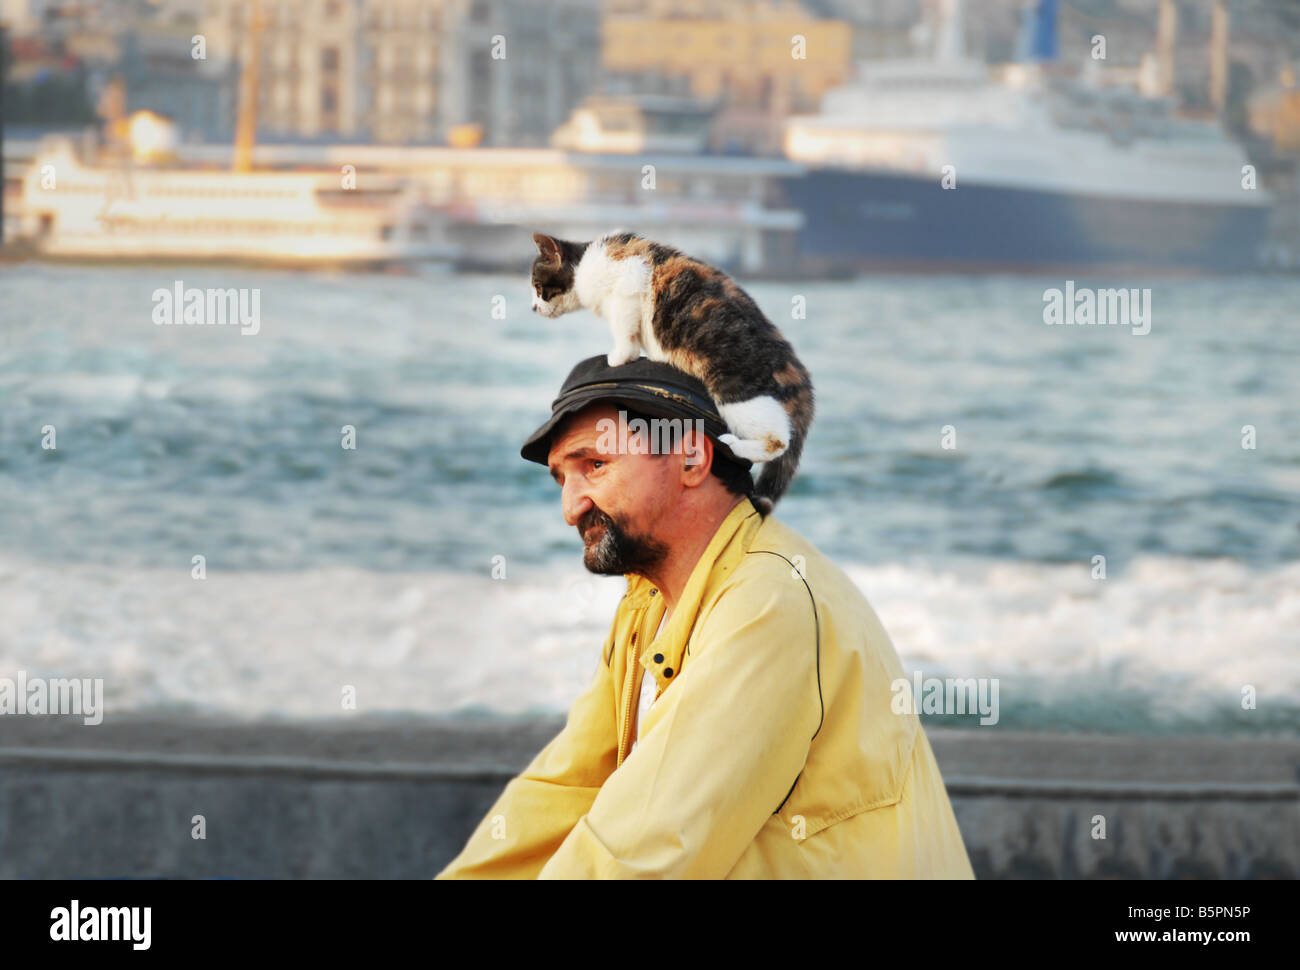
(548, 247)
(697, 456)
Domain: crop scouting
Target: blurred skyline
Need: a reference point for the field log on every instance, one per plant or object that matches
(768, 138)
(419, 71)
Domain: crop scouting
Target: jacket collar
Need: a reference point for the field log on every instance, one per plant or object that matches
(730, 540)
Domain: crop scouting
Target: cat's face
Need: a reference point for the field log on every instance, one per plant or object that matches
(552, 276)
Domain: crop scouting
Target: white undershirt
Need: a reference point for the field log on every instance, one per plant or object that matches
(648, 686)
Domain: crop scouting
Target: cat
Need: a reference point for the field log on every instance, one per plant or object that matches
(691, 315)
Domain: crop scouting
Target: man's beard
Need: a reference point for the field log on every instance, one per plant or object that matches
(616, 552)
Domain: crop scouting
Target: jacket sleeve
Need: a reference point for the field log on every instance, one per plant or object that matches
(723, 751)
(540, 806)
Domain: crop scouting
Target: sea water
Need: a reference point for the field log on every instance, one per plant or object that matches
(967, 467)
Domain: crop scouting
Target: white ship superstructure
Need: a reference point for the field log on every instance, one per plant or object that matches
(126, 210)
(1012, 127)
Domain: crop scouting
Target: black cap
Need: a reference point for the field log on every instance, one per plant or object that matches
(651, 387)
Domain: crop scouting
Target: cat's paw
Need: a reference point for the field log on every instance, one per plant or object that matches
(752, 449)
(774, 447)
(617, 358)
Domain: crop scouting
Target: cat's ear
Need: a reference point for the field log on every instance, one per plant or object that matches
(548, 247)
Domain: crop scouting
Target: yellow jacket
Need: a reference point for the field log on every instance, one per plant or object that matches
(771, 750)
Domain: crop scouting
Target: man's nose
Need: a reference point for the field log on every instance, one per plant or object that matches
(574, 501)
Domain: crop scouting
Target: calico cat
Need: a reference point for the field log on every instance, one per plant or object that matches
(693, 316)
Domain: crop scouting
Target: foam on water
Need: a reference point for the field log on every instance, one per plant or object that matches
(1165, 646)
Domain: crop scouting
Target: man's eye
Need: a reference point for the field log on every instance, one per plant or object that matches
(597, 463)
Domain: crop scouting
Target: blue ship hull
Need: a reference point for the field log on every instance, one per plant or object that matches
(857, 221)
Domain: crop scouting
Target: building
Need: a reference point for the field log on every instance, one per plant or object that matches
(414, 71)
(761, 69)
(66, 55)
(160, 74)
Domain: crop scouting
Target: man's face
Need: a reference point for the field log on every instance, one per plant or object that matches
(617, 501)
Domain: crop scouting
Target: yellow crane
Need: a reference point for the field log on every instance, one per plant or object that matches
(246, 120)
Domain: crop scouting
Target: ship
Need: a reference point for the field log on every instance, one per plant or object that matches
(78, 208)
(473, 207)
(945, 163)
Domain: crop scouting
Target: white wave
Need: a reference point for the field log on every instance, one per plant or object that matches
(1193, 628)
(288, 644)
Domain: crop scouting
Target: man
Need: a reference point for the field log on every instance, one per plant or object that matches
(766, 745)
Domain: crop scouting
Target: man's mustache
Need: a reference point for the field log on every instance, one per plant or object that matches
(592, 518)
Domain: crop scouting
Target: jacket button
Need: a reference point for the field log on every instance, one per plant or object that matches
(668, 671)
(659, 658)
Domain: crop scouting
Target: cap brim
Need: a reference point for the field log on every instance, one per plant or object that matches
(538, 446)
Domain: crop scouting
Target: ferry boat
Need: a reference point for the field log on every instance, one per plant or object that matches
(637, 162)
(128, 210)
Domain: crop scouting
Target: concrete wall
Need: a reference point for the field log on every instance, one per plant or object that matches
(398, 799)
